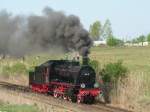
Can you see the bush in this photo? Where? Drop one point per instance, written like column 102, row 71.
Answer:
column 112, row 72
column 114, row 42
column 18, row 68
column 95, row 65
column 6, row 70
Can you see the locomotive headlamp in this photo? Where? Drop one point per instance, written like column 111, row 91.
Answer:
column 82, row 85
column 96, row 85
column 87, row 74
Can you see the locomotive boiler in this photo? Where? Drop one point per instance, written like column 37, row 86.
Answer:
column 66, row 79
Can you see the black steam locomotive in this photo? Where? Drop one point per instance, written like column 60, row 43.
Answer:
column 66, row 79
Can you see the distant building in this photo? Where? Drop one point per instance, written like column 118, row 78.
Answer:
column 137, row 44
column 144, row 43
column 99, row 43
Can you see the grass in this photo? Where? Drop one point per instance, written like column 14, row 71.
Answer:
column 136, row 59
column 136, row 88
column 17, row 108
column 14, row 66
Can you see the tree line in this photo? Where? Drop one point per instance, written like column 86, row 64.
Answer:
column 99, row 31
column 141, row 38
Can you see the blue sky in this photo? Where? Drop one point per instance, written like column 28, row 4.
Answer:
column 129, row 18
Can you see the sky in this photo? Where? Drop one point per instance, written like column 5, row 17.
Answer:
column 129, row 18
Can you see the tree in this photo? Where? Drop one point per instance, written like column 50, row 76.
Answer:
column 134, row 40
column 141, row 38
column 148, row 37
column 95, row 30
column 112, row 41
column 107, row 30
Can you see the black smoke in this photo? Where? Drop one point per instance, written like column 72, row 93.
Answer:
column 51, row 31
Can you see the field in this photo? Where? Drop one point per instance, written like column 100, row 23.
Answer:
column 5, row 107
column 133, row 92
column 17, row 108
column 135, row 58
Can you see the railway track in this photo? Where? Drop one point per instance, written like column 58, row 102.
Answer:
column 14, row 87
column 48, row 100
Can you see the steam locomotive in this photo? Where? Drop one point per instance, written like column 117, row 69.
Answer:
column 66, row 79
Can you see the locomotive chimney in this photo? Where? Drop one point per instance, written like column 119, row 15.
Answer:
column 85, row 60
column 85, row 52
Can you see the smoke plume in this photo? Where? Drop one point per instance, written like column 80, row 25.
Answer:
column 50, row 31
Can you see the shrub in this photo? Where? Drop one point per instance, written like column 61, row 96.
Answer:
column 6, row 70
column 14, row 69
column 112, row 72
column 95, row 65
column 18, row 68
column 112, row 41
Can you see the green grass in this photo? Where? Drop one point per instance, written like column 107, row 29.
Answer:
column 14, row 66
column 18, row 108
column 135, row 58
